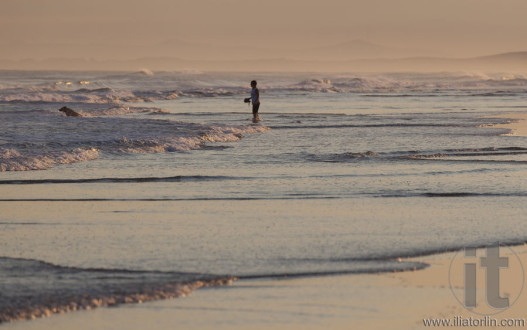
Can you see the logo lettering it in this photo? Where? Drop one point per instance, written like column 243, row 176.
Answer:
column 492, row 264
column 486, row 281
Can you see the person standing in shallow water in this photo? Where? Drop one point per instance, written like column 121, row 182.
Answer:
column 255, row 99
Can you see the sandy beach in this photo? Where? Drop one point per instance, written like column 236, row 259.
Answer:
column 402, row 300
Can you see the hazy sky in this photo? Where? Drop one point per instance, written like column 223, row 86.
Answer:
column 454, row 27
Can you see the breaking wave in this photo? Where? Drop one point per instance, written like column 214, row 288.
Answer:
column 88, row 137
column 489, row 154
column 136, row 87
column 32, row 288
column 13, row 160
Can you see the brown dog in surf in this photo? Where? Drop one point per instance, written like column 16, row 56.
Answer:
column 69, row 112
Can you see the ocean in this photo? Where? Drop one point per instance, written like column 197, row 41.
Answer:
column 164, row 184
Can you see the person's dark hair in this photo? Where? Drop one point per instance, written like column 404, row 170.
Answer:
column 253, row 82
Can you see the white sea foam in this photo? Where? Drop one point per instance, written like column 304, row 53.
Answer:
column 147, row 87
column 190, row 138
column 137, row 136
column 45, row 94
column 146, row 72
column 8, row 153
column 168, row 291
column 409, row 82
column 103, row 100
column 12, row 160
column 119, row 110
column 68, row 289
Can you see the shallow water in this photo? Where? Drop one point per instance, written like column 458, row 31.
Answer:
column 346, row 173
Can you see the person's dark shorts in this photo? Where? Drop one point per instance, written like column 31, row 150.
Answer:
column 256, row 107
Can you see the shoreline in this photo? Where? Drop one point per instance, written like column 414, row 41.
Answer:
column 518, row 127
column 397, row 300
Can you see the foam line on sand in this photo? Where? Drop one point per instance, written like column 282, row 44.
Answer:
column 399, row 300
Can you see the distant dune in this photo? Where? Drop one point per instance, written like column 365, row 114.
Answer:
column 515, row 61
column 359, row 49
column 519, row 57
column 506, row 62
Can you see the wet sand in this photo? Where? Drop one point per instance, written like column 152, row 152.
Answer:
column 519, row 127
column 361, row 301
